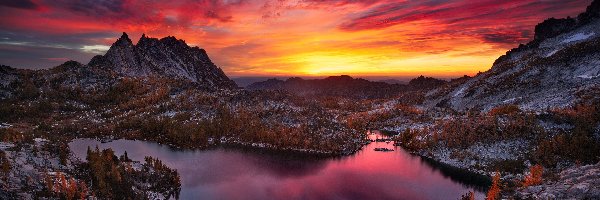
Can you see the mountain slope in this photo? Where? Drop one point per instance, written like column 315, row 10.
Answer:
column 559, row 68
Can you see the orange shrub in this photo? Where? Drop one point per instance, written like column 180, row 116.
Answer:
column 505, row 110
column 534, row 177
column 494, row 192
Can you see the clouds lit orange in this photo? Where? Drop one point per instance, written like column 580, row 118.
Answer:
column 285, row 37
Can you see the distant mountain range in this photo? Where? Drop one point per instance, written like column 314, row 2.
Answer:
column 345, row 86
column 559, row 68
column 245, row 81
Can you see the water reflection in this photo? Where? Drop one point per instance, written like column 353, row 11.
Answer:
column 243, row 174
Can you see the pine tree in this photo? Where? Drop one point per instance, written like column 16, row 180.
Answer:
column 49, row 183
column 494, row 192
column 534, row 177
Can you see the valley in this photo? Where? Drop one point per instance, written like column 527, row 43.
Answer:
column 528, row 128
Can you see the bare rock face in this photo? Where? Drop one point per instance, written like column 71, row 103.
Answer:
column 558, row 68
column 167, row 57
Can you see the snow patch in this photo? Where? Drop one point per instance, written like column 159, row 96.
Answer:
column 510, row 100
column 585, row 76
column 460, row 91
column 551, row 53
column 577, row 37
column 5, row 125
column 169, row 113
column 40, row 140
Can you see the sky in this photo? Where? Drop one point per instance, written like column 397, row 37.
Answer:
column 285, row 37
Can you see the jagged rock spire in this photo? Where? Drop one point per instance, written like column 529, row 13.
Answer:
column 124, row 39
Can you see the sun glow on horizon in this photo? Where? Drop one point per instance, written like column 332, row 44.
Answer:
column 288, row 37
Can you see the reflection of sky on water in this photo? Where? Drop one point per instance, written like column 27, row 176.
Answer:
column 237, row 174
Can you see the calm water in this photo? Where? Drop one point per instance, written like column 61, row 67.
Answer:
column 242, row 174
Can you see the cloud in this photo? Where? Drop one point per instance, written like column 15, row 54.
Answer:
column 36, row 57
column 21, row 4
column 479, row 18
column 507, row 37
column 96, row 49
column 95, row 8
column 283, row 36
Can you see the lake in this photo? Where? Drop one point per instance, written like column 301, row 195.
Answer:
column 233, row 173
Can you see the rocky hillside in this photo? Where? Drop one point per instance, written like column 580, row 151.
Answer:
column 168, row 57
column 559, row 68
column 162, row 90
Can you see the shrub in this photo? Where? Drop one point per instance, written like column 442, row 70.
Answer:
column 510, row 166
column 465, row 131
column 468, row 196
column 494, row 191
column 65, row 188
column 509, row 109
column 28, row 90
column 114, row 178
column 5, row 165
column 569, row 147
column 534, row 177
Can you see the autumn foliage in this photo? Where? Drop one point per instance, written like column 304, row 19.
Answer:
column 505, row 110
column 534, row 177
column 494, row 191
column 65, row 188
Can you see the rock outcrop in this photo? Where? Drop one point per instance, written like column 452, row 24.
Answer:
column 574, row 183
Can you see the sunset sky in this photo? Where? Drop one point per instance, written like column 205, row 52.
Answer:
column 285, row 37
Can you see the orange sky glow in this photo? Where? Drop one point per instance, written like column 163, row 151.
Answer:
column 286, row 37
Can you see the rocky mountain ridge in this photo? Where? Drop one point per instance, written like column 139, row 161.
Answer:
column 559, row 68
column 167, row 57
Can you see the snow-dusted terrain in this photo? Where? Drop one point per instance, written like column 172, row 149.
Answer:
column 551, row 72
column 577, row 182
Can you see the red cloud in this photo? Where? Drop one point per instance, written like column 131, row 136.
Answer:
column 273, row 33
column 129, row 15
column 481, row 18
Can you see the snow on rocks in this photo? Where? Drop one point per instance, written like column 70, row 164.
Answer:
column 578, row 37
column 479, row 154
column 585, row 76
column 551, row 53
column 574, row 183
column 460, row 91
column 29, row 162
column 5, row 125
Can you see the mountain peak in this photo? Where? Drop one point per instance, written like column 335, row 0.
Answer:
column 124, row 37
column 123, row 41
column 145, row 41
column 168, row 57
